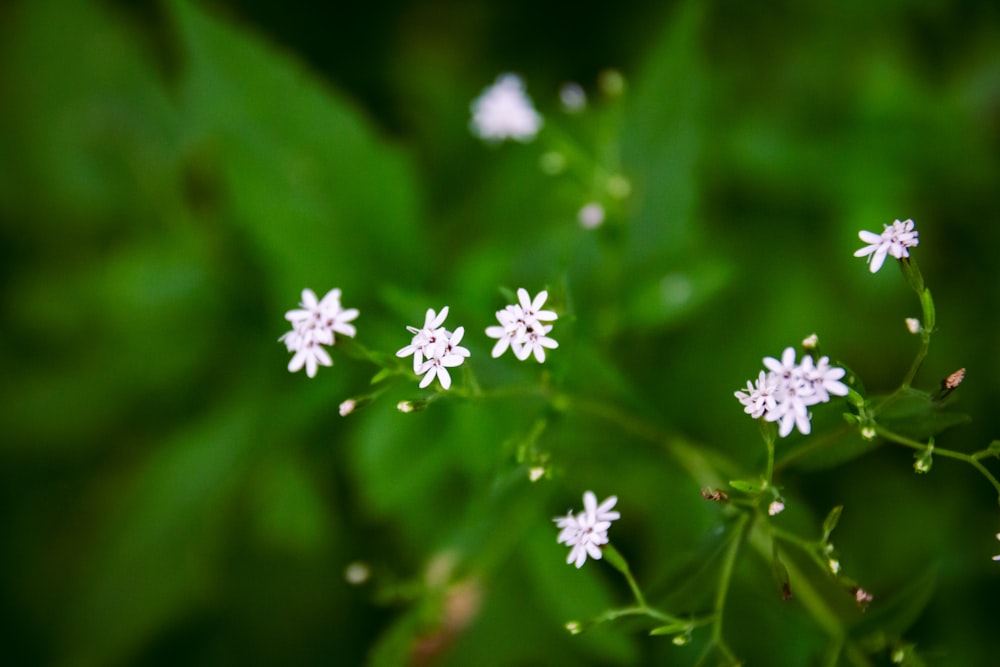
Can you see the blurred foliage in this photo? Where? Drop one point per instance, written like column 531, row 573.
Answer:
column 173, row 174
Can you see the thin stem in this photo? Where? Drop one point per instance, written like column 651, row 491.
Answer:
column 971, row 459
column 722, row 592
column 925, row 342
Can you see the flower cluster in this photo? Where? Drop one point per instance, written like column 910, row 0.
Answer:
column 314, row 324
column 787, row 389
column 586, row 531
column 894, row 240
column 435, row 349
column 504, row 111
column 522, row 327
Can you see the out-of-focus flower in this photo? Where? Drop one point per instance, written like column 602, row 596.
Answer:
column 591, row 216
column 504, row 111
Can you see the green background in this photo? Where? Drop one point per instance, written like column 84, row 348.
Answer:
column 172, row 176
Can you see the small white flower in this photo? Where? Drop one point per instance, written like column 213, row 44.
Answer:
column 825, row 380
column 504, row 111
column 759, row 397
column 786, row 389
column 586, row 531
column 435, row 349
column 314, row 324
column 424, row 338
column 591, row 216
column 535, row 340
column 310, row 354
column 522, row 327
column 894, row 240
column 776, row 507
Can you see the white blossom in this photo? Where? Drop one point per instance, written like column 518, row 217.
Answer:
column 314, row 324
column 504, row 111
column 435, row 349
column 586, row 531
column 591, row 215
column 894, row 240
column 786, row 389
column 522, row 327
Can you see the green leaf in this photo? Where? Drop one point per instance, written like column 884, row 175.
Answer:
column 745, row 486
column 301, row 170
column 917, row 415
column 669, row 629
column 831, row 521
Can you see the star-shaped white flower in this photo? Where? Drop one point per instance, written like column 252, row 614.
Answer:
column 435, row 349
column 504, row 111
column 759, row 396
column 785, row 391
column 586, row 531
column 314, row 324
column 894, row 240
column 522, row 327
column 535, row 340
column 424, row 337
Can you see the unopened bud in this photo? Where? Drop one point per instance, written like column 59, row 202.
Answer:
column 776, row 507
column 347, row 407
column 924, row 460
column 913, row 325
column 415, row 405
column 834, row 565
column 863, row 598
column 810, row 342
column 682, row 639
column 574, row 627
column 868, row 433
column 536, row 473
column 952, row 381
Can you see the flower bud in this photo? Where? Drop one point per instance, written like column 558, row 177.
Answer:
column 913, row 325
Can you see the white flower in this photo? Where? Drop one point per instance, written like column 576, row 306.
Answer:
column 591, row 215
column 894, row 240
column 447, row 353
column 522, row 327
column 535, row 340
column 759, row 397
column 786, row 390
column 435, row 349
column 424, row 338
column 586, row 531
column 311, row 354
column 314, row 324
column 504, row 111
column 825, row 380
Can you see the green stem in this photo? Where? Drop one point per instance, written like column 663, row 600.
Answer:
column 722, row 592
column 971, row 459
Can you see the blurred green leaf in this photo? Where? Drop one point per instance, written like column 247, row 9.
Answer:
column 303, row 170
column 917, row 415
